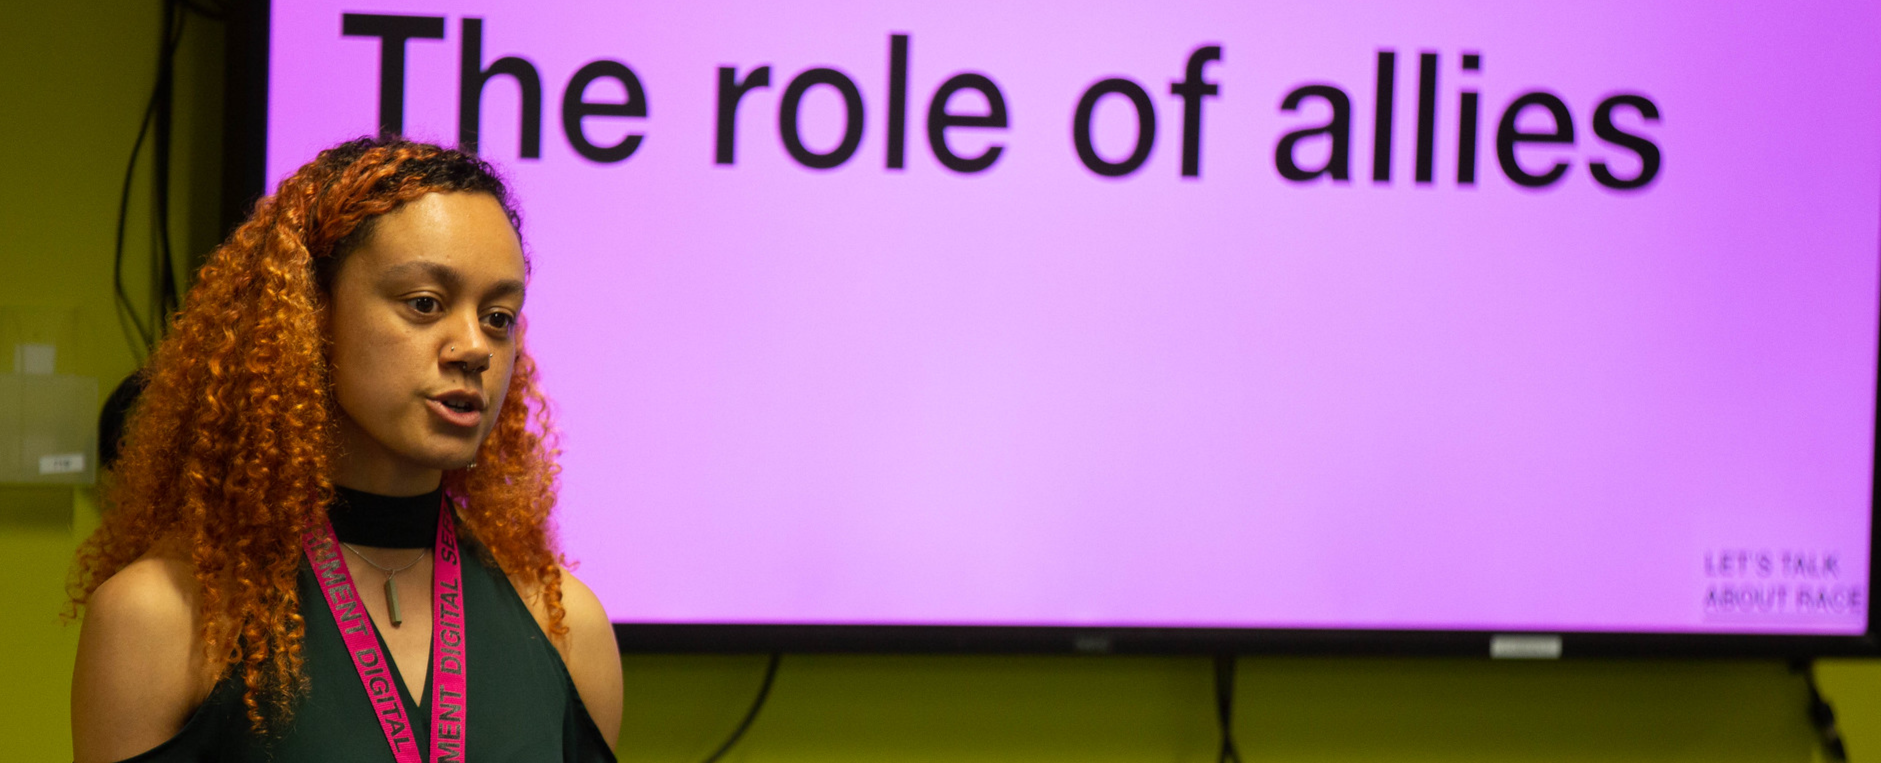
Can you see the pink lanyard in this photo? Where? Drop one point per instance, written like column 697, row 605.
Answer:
column 375, row 671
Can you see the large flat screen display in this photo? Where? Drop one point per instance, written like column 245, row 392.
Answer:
column 1345, row 314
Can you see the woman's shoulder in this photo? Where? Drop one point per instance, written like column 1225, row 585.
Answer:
column 588, row 649
column 140, row 670
column 154, row 599
column 582, row 612
column 149, row 606
column 592, row 655
column 156, row 589
column 583, row 607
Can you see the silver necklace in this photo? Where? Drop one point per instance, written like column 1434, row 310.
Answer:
column 391, row 591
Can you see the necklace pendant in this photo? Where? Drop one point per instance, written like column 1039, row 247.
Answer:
column 391, row 601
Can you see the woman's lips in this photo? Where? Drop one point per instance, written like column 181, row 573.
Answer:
column 467, row 419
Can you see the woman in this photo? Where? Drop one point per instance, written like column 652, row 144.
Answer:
column 351, row 358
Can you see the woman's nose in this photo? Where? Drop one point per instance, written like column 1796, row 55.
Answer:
column 470, row 350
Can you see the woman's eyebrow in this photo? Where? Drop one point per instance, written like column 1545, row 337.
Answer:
column 505, row 288
column 443, row 274
column 450, row 278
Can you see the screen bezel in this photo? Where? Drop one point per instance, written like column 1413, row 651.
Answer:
column 244, row 182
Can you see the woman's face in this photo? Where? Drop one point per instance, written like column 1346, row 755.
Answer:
column 422, row 316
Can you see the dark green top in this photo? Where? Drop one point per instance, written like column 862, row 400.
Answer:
column 522, row 704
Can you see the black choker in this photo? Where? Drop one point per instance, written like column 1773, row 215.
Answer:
column 384, row 521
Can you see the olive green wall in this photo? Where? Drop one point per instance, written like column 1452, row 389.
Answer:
column 75, row 79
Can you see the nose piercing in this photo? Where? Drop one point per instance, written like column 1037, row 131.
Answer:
column 487, row 358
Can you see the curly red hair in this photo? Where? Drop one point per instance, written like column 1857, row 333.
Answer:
column 230, row 454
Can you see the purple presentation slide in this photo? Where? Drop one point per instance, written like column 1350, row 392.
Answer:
column 1465, row 315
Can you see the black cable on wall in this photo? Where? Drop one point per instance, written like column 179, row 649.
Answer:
column 1822, row 716
column 757, row 704
column 145, row 327
column 1224, row 708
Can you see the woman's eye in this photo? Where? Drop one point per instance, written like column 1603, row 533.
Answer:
column 501, row 321
column 424, row 305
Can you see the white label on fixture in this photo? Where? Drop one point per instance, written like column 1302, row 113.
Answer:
column 1525, row 647
column 62, row 463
